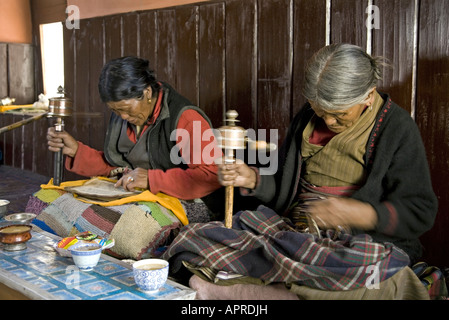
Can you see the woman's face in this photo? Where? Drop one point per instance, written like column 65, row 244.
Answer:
column 135, row 111
column 339, row 120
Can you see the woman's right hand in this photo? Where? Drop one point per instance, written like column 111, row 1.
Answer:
column 57, row 140
column 236, row 174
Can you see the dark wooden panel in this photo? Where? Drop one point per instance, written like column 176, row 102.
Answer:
column 394, row 40
column 95, row 105
column 274, row 65
column 85, row 81
column 432, row 117
column 309, row 36
column 81, row 92
column 3, row 70
column 113, row 37
column 348, row 22
column 241, row 60
column 187, row 64
column 8, row 140
column 27, row 146
column 82, row 85
column 130, row 29
column 21, row 73
column 112, row 46
column 42, row 157
column 148, row 36
column 70, row 47
column 17, row 142
column 166, row 46
column 211, row 57
column 177, row 61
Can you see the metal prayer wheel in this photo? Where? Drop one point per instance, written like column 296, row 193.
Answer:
column 59, row 107
column 231, row 138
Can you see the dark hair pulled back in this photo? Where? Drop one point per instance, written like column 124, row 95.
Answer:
column 126, row 78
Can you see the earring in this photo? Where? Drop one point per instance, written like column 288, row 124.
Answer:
column 149, row 101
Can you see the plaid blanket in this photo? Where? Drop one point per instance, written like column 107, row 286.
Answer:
column 262, row 245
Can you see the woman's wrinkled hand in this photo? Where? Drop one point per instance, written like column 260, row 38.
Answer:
column 61, row 140
column 137, row 178
column 236, row 174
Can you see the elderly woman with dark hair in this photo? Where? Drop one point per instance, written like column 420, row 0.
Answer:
column 351, row 197
column 142, row 136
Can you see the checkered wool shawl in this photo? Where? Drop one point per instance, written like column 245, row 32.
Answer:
column 262, row 245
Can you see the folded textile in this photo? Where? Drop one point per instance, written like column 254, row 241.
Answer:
column 140, row 229
column 403, row 285
column 262, row 245
column 433, row 280
column 167, row 201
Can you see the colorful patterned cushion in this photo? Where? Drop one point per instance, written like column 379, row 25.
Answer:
column 140, row 229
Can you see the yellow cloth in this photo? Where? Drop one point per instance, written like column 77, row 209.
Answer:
column 48, row 196
column 167, row 201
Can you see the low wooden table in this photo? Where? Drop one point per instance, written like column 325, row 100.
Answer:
column 39, row 272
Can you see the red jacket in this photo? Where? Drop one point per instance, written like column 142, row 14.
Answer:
column 197, row 181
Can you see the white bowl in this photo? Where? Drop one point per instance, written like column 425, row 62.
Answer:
column 86, row 255
column 150, row 274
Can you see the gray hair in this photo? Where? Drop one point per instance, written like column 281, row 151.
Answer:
column 339, row 76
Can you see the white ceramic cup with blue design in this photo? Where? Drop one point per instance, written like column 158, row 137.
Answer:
column 86, row 255
column 150, row 274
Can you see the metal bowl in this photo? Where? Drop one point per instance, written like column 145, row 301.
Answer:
column 23, row 217
column 14, row 237
column 3, row 207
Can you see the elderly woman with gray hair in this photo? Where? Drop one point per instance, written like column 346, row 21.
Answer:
column 352, row 192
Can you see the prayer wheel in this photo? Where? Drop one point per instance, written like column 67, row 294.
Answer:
column 59, row 107
column 231, row 138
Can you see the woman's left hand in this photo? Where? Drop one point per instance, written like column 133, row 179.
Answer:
column 138, row 178
column 333, row 213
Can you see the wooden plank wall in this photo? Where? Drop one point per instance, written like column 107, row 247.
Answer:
column 17, row 81
column 17, row 72
column 432, row 115
column 250, row 56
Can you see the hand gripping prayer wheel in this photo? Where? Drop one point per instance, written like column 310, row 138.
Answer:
column 231, row 138
column 59, row 107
